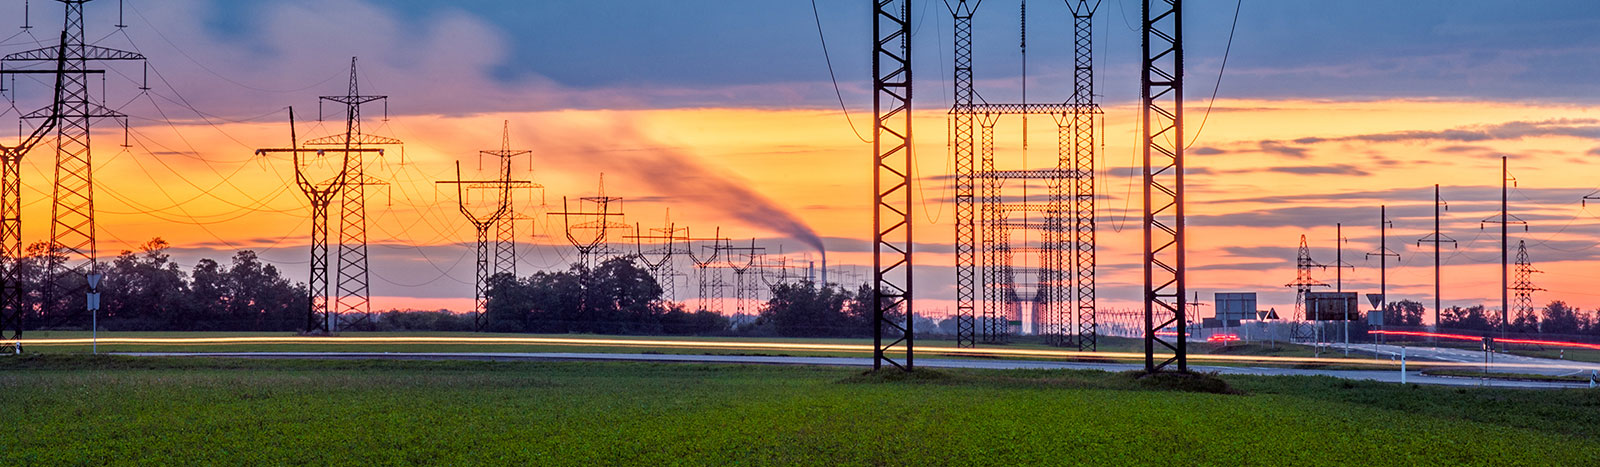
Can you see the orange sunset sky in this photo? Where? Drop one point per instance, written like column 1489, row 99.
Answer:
column 713, row 111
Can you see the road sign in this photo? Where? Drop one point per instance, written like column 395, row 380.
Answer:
column 1376, row 299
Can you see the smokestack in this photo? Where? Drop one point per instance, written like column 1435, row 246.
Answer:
column 824, row 267
column 811, row 272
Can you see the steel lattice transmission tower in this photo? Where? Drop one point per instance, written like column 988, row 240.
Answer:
column 707, row 277
column 1523, row 287
column 12, row 308
column 352, row 275
column 72, row 228
column 1084, row 110
column 481, row 223
column 1303, row 283
column 1161, row 105
column 1057, row 231
column 595, row 248
column 505, row 243
column 966, row 191
column 743, row 261
column 666, row 243
column 891, row 184
column 320, row 194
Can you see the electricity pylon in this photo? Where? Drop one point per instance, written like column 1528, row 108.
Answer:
column 320, row 194
column 1524, row 287
column 593, row 247
column 353, row 277
column 72, row 228
column 505, row 243
column 891, row 185
column 1302, row 287
column 709, row 292
column 481, row 223
column 12, row 310
column 665, row 243
column 1161, row 107
column 742, row 261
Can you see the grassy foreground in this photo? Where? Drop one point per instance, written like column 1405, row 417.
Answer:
column 113, row 410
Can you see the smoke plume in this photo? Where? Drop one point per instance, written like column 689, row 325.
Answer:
column 684, row 178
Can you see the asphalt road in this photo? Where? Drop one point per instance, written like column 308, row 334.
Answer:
column 1525, row 365
column 1390, row 376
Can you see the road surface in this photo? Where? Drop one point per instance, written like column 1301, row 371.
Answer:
column 1390, row 376
column 1526, row 365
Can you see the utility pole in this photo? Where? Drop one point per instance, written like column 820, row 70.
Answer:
column 12, row 310
column 1383, row 255
column 1505, row 219
column 320, row 194
column 1161, row 102
column 353, row 301
column 1338, row 270
column 72, row 228
column 1437, row 239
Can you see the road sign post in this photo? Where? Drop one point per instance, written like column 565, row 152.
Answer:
column 92, row 301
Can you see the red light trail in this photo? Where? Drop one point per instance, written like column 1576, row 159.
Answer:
column 1465, row 337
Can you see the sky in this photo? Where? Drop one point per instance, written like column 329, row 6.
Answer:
column 723, row 116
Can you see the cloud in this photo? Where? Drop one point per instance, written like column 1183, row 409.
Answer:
column 1577, row 128
column 1336, row 169
column 1277, row 147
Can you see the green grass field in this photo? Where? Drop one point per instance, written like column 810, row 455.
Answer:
column 109, row 410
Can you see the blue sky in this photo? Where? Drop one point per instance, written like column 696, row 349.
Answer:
column 766, row 53
column 1342, row 50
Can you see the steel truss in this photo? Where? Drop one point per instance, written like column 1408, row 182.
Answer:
column 1302, row 330
column 320, row 194
column 593, row 248
column 1061, row 289
column 1523, row 287
column 891, row 183
column 707, row 277
column 505, row 242
column 481, row 224
column 12, row 308
column 72, row 227
column 353, row 300
column 1161, row 106
column 666, row 242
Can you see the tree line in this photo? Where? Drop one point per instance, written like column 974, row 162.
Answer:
column 620, row 297
column 145, row 290
column 1557, row 317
